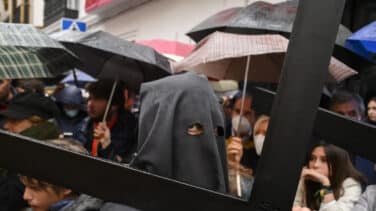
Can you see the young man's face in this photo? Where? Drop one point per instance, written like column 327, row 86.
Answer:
column 40, row 199
column 96, row 108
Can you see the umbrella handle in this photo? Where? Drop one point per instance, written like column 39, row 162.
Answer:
column 109, row 101
column 75, row 77
column 238, row 184
column 243, row 92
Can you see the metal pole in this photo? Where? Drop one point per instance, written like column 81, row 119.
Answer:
column 75, row 77
column 238, row 185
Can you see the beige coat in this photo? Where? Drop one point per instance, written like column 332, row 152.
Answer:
column 352, row 191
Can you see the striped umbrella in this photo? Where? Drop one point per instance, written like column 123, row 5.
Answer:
column 26, row 52
column 224, row 56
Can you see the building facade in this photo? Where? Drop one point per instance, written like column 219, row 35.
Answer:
column 145, row 19
column 22, row 11
column 149, row 19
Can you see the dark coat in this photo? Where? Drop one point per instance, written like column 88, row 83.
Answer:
column 42, row 131
column 181, row 132
column 11, row 192
column 70, row 125
column 70, row 95
column 123, row 137
column 82, row 203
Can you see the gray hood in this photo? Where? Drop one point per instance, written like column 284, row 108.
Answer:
column 181, row 132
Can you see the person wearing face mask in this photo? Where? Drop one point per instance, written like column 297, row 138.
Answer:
column 241, row 154
column 71, row 105
column 261, row 126
column 240, row 177
column 243, row 131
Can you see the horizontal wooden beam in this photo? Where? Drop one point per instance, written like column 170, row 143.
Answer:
column 354, row 136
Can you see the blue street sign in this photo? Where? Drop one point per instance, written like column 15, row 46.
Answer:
column 69, row 24
column 81, row 26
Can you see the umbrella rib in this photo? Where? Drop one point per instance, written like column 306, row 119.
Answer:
column 11, row 59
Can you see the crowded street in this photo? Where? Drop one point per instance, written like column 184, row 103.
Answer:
column 125, row 105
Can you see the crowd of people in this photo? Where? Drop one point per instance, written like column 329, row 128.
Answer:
column 179, row 115
column 332, row 178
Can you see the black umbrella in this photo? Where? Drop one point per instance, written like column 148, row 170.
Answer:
column 105, row 56
column 266, row 18
column 257, row 18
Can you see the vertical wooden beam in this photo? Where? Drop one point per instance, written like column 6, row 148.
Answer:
column 295, row 106
column 10, row 9
column 22, row 13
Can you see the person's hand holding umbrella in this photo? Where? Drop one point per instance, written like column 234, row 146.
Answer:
column 103, row 135
column 234, row 151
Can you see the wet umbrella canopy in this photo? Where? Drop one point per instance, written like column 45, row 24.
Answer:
column 265, row 18
column 105, row 56
column 26, row 52
column 257, row 18
column 363, row 42
column 172, row 49
column 81, row 78
column 223, row 56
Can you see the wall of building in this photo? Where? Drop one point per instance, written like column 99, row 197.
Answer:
column 167, row 19
column 37, row 12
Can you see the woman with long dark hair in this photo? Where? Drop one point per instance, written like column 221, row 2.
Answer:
column 329, row 182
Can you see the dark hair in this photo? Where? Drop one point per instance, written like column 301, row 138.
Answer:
column 33, row 85
column 102, row 89
column 343, row 96
column 41, row 185
column 239, row 96
column 372, row 99
column 340, row 168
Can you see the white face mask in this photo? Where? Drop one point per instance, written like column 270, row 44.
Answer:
column 245, row 128
column 71, row 113
column 259, row 142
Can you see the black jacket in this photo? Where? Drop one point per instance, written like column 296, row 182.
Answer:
column 123, row 137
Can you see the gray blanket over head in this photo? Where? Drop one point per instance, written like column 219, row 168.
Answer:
column 181, row 132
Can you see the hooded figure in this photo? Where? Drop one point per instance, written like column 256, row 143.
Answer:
column 181, row 132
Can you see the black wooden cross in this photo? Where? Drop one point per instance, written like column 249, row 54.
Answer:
column 291, row 125
column 354, row 136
